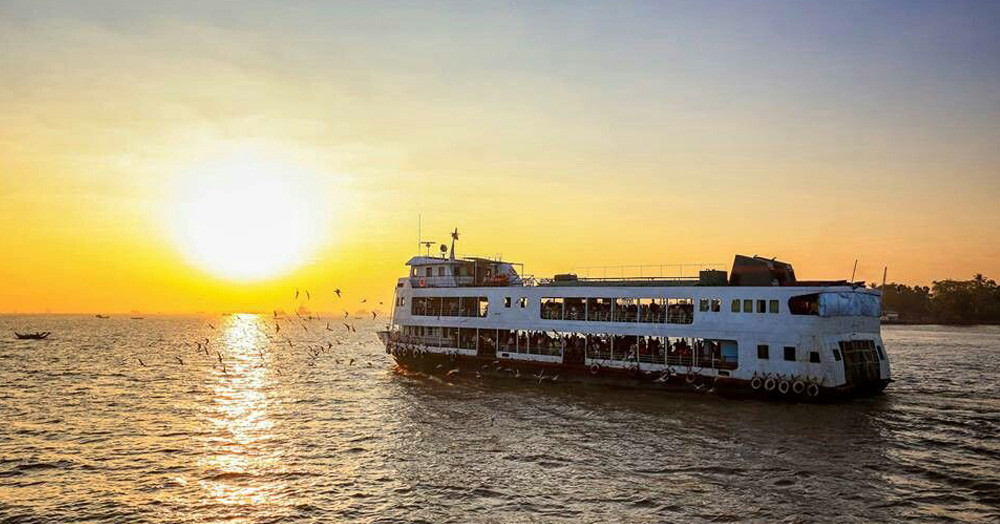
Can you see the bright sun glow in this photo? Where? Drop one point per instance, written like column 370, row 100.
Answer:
column 246, row 218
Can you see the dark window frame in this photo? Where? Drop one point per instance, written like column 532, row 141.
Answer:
column 793, row 353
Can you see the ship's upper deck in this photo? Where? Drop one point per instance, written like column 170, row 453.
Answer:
column 436, row 272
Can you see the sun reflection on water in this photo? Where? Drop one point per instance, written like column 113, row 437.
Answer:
column 240, row 418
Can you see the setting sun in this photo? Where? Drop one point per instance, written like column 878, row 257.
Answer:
column 246, row 218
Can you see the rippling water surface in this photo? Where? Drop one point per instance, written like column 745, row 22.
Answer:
column 289, row 433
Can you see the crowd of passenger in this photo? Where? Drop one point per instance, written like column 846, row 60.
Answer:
column 618, row 310
column 575, row 347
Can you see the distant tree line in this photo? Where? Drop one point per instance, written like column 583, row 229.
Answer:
column 975, row 301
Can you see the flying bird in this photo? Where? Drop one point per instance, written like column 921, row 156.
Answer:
column 179, row 360
column 140, row 361
column 308, row 296
column 328, row 327
column 374, row 314
column 337, row 291
column 210, row 325
column 296, row 293
column 363, row 300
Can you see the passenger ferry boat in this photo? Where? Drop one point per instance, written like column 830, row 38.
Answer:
column 757, row 330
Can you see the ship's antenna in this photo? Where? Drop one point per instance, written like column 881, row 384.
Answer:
column 454, row 237
column 885, row 271
column 855, row 270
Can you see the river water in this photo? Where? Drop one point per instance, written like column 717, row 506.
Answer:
column 289, row 432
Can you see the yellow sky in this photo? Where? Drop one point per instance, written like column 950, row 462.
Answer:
column 684, row 141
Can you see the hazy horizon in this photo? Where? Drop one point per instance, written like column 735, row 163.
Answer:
column 191, row 157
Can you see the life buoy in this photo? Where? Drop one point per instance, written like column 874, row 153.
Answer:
column 798, row 387
column 783, row 387
column 756, row 383
column 422, row 282
column 690, row 378
column 595, row 369
column 812, row 390
column 769, row 384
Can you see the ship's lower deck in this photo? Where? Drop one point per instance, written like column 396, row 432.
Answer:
column 457, row 364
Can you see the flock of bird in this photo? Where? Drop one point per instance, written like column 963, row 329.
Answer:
column 313, row 350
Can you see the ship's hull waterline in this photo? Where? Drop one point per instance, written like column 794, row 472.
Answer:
column 675, row 379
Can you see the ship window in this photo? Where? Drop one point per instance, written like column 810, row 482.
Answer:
column 624, row 347
column 507, row 341
column 790, row 353
column 484, row 306
column 452, row 307
column 626, row 310
column 506, row 301
column 429, row 271
column 772, row 306
column 762, row 352
column 441, row 271
column 523, row 302
column 804, row 305
column 680, row 310
column 467, row 338
column 552, row 308
column 651, row 310
column 573, row 309
column 762, row 306
column 703, row 304
column 651, row 350
column 599, row 309
column 598, row 346
column 716, row 305
column 748, row 306
column 814, row 357
column 736, row 305
column 836, row 355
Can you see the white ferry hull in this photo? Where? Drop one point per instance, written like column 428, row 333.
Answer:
column 458, row 366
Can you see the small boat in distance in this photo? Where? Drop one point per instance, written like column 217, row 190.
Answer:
column 41, row 335
column 137, row 318
column 101, row 316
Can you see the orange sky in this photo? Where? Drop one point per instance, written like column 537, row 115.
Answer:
column 560, row 137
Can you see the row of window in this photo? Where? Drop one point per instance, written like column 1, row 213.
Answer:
column 575, row 347
column 649, row 310
column 450, row 306
column 763, row 306
column 763, row 353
